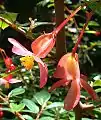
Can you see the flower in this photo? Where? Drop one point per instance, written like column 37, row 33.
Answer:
column 44, row 43
column 68, row 71
column 10, row 67
column 28, row 60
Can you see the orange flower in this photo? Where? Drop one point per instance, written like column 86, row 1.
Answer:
column 68, row 71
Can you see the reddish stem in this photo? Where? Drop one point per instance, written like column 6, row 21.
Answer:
column 81, row 34
column 66, row 20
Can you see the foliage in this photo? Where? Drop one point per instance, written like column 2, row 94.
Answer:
column 22, row 96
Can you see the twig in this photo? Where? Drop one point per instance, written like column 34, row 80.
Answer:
column 41, row 111
column 18, row 115
column 14, row 26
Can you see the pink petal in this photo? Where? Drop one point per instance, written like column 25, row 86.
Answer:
column 89, row 89
column 43, row 45
column 3, row 81
column 14, row 81
column 73, row 96
column 43, row 71
column 58, row 84
column 18, row 48
column 68, row 68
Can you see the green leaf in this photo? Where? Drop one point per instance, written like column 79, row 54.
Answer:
column 93, row 23
column 42, row 97
column 16, row 107
column 16, row 91
column 98, row 90
column 31, row 105
column 97, row 83
column 3, row 25
column 5, row 109
column 55, row 104
column 95, row 6
column 46, row 118
column 27, row 117
column 9, row 16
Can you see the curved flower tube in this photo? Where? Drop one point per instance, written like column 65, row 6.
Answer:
column 68, row 71
column 29, row 59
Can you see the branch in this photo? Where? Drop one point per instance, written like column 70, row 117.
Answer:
column 18, row 115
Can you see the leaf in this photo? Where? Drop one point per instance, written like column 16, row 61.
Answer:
column 95, row 6
column 31, row 105
column 27, row 117
column 93, row 23
column 46, row 118
column 16, row 107
column 3, row 25
column 9, row 16
column 55, row 104
column 16, row 91
column 98, row 90
column 97, row 83
column 42, row 97
column 5, row 109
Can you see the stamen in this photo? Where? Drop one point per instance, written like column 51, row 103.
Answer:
column 27, row 62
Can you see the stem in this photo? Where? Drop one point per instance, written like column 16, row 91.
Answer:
column 78, row 112
column 66, row 20
column 14, row 26
column 81, row 34
column 41, row 111
column 18, row 115
column 60, row 38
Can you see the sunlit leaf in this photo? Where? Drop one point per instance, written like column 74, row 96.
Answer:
column 16, row 91
column 3, row 25
column 46, row 118
column 55, row 104
column 42, row 97
column 27, row 117
column 31, row 105
column 16, row 107
column 97, row 83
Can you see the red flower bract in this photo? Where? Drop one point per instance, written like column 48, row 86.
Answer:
column 68, row 71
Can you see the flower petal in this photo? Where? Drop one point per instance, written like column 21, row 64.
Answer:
column 43, row 45
column 68, row 67
column 73, row 96
column 3, row 81
column 14, row 81
column 18, row 48
column 58, row 84
column 89, row 89
column 43, row 71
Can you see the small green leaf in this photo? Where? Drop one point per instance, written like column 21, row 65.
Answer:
column 97, row 83
column 93, row 23
column 16, row 107
column 46, row 118
column 16, row 91
column 55, row 104
column 42, row 97
column 3, row 25
column 27, row 117
column 9, row 16
column 31, row 105
column 98, row 90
